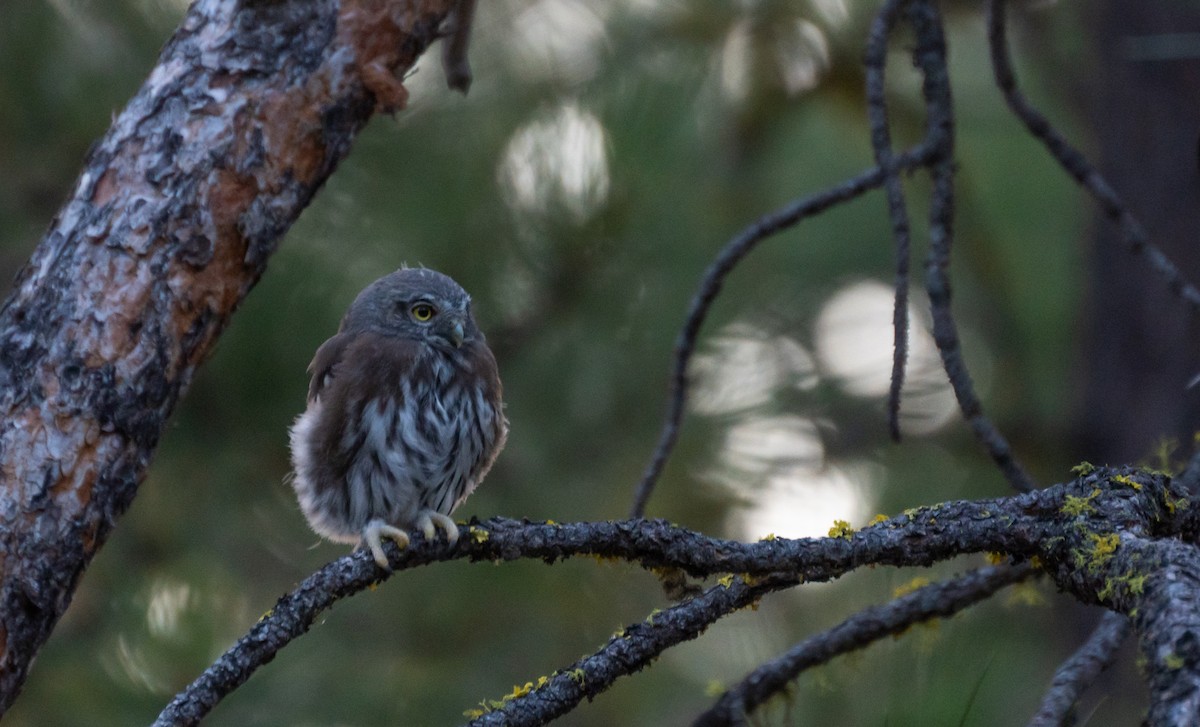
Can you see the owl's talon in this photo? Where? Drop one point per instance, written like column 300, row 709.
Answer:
column 373, row 535
column 429, row 521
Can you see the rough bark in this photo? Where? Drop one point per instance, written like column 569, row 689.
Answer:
column 178, row 208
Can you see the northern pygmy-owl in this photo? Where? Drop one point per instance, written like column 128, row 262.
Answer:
column 404, row 414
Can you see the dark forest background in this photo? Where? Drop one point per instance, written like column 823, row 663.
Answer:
column 605, row 153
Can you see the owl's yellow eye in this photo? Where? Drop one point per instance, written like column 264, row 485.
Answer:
column 422, row 312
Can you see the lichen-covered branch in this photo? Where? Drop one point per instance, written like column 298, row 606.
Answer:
column 627, row 652
column 1111, row 537
column 178, row 208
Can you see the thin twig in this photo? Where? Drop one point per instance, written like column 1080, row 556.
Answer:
column 881, row 143
column 710, row 287
column 1079, row 672
column 931, row 57
column 1074, row 162
column 627, row 652
column 860, row 630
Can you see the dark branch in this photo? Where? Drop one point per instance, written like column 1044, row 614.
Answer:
column 881, row 143
column 710, row 287
column 1077, row 673
column 1074, row 162
column 860, row 630
column 931, row 58
column 1061, row 525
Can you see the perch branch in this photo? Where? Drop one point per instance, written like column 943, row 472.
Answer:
column 1090, row 534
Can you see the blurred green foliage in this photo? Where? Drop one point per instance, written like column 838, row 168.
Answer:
column 581, row 262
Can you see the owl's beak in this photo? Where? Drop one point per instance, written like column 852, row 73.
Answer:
column 452, row 330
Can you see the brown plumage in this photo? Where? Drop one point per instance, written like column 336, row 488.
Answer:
column 404, row 416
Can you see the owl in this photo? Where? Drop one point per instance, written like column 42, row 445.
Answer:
column 405, row 415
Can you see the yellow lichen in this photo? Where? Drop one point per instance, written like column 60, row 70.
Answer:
column 880, row 518
column 578, row 676
column 478, row 535
column 1173, row 661
column 1128, row 481
column 1100, row 552
column 518, row 691
column 726, row 581
column 841, row 529
column 1083, row 469
column 1075, row 506
column 768, row 537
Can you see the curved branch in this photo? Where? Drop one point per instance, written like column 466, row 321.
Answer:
column 1075, row 164
column 710, row 286
column 1122, row 569
column 930, row 56
column 860, row 630
column 881, row 143
column 627, row 652
column 250, row 108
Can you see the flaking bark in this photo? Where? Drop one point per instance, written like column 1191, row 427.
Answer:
column 178, row 208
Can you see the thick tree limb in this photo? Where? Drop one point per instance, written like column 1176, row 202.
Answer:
column 1108, row 538
column 178, row 208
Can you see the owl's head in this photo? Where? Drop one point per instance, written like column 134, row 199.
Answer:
column 416, row 304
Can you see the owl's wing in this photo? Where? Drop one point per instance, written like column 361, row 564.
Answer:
column 325, row 362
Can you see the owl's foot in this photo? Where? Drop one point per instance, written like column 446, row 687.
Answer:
column 373, row 535
column 429, row 521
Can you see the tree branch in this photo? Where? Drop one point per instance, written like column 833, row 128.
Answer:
column 881, row 144
column 627, row 652
column 1107, row 538
column 1075, row 164
column 710, row 286
column 930, row 56
column 171, row 223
